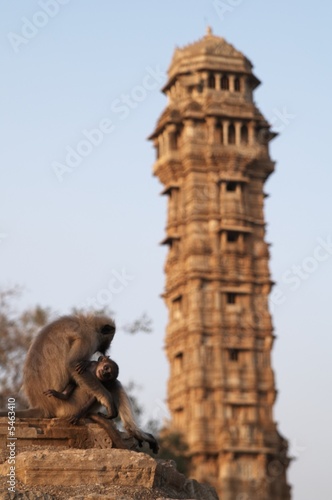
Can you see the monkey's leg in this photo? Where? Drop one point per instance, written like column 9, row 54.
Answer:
column 109, row 427
column 83, row 411
column 65, row 394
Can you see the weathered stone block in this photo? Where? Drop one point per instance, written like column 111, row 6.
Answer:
column 107, row 469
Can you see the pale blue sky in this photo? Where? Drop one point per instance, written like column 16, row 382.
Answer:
column 66, row 241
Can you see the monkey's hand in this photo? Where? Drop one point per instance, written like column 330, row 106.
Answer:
column 153, row 443
column 74, row 419
column 50, row 393
column 140, row 443
column 111, row 414
column 82, row 366
column 111, row 409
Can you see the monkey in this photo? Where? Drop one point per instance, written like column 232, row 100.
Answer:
column 107, row 371
column 60, row 354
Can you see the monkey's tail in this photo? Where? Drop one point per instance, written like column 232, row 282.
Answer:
column 126, row 415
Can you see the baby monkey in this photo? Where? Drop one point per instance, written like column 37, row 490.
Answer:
column 107, row 371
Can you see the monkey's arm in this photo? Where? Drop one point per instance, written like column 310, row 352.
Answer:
column 84, row 378
column 87, row 407
column 65, row 394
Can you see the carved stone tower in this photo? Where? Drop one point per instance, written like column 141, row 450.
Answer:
column 213, row 159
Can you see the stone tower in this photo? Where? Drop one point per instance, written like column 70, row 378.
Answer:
column 213, row 159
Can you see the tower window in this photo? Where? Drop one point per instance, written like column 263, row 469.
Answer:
column 178, row 416
column 200, row 86
column 237, row 84
column 220, row 132
column 173, row 140
column 231, row 186
column 231, row 134
column 179, row 358
column 177, row 307
column 233, row 354
column 224, row 83
column 178, row 363
column 231, row 298
column 232, row 236
column 244, row 134
column 211, row 81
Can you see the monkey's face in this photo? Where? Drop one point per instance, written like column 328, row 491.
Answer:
column 106, row 331
column 107, row 369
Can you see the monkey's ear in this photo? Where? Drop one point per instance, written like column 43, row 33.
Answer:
column 107, row 329
column 100, row 359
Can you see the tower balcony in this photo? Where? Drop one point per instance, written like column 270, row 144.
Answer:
column 236, row 268
column 265, row 380
column 232, row 209
column 245, row 435
column 243, row 153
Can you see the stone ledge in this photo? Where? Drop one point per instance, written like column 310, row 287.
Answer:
column 55, row 433
column 137, row 473
column 55, row 460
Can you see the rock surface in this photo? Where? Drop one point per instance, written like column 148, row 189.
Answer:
column 53, row 460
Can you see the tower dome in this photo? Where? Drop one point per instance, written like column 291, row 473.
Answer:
column 210, row 53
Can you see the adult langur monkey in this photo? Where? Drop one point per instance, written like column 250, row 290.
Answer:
column 60, row 354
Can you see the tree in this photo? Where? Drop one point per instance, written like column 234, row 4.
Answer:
column 173, row 447
column 17, row 329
